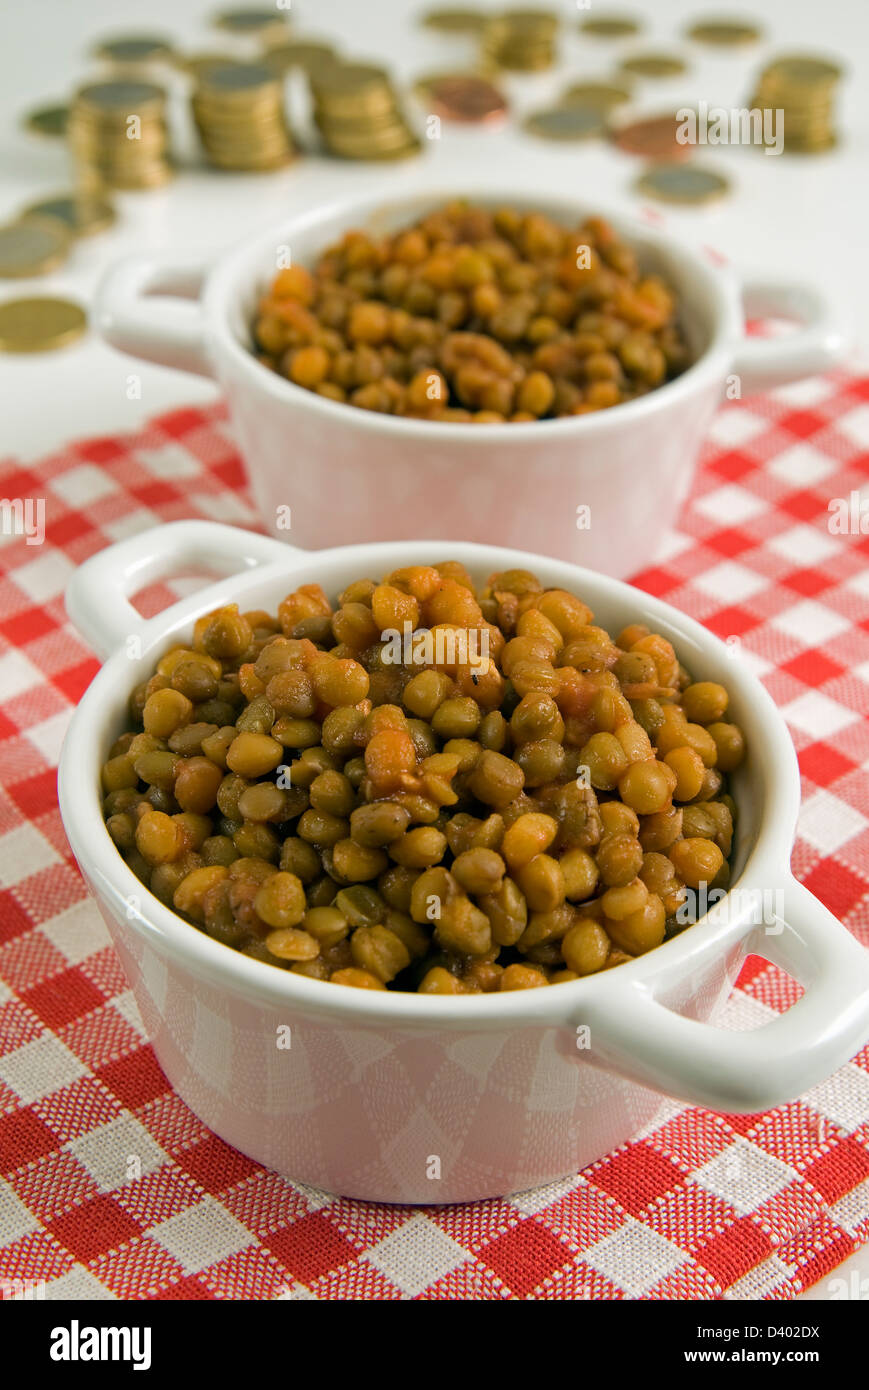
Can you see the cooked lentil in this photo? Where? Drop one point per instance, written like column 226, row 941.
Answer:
column 472, row 315
column 445, row 826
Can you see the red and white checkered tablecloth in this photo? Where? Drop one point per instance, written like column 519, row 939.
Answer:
column 701, row 1206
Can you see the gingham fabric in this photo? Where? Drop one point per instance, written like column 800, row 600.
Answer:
column 701, row 1206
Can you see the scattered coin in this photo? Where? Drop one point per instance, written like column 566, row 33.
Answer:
column 681, row 183
column 614, row 26
column 566, row 123
column 38, row 324
column 32, row 248
column 652, row 137
column 654, row 64
column 597, row 96
column 48, row 120
column 463, row 97
column 82, row 214
column 135, row 49
column 456, row 21
column 724, row 33
column 252, row 22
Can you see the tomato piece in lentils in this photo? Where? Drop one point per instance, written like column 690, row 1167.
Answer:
column 515, row 798
column 474, row 315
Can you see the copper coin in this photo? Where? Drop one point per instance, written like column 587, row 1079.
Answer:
column 469, row 99
column 655, row 137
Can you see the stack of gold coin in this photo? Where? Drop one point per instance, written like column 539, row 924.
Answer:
column 521, row 40
column 803, row 88
column 357, row 113
column 239, row 113
column 118, row 135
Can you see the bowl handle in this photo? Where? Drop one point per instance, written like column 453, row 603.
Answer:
column 816, row 346
column 96, row 596
column 745, row 1072
column 135, row 312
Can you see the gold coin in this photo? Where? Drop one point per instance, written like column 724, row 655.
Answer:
column 537, row 23
column 365, row 146
column 198, row 63
column 117, row 142
column 249, row 130
column 654, row 64
column 525, row 58
column 230, row 116
column 39, row 324
column 350, row 80
column 135, row 48
column 354, row 125
column 300, row 53
column 412, row 146
column 597, row 96
column 455, row 21
column 119, row 99
column 364, row 142
column 261, row 139
column 48, row 120
column 364, row 107
column 681, row 183
column 238, row 81
column 803, row 70
column 32, row 247
column 129, row 181
column 251, row 164
column 81, row 215
column 614, row 26
column 255, row 22
column 565, row 123
column 724, row 33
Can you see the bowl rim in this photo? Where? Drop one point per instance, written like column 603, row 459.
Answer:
column 115, row 885
column 225, row 284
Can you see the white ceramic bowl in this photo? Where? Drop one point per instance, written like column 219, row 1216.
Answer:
column 340, row 473
column 374, row 1087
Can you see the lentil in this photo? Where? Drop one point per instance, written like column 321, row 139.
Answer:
column 471, row 315
column 451, row 829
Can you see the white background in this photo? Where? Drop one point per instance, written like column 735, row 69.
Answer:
column 795, row 218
